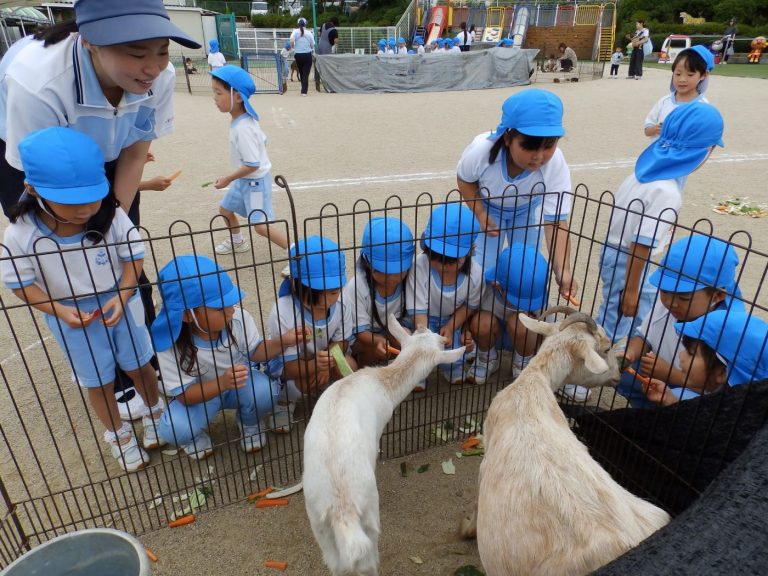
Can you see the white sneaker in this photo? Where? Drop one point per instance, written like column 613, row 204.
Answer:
column 150, row 440
column 252, row 439
column 519, row 362
column 286, row 272
column 455, row 376
column 228, row 247
column 130, row 405
column 486, row 363
column 575, row 393
column 200, row 448
column 128, row 454
column 281, row 418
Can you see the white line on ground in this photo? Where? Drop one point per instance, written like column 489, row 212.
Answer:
column 417, row 176
column 26, row 349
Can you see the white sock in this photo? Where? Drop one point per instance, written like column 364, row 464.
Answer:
column 157, row 408
column 237, row 238
column 123, row 432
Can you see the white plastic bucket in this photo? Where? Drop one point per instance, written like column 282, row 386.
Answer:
column 91, row 552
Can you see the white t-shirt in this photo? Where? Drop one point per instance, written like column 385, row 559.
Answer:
column 303, row 44
column 286, row 315
column 248, row 146
column 643, row 205
column 57, row 86
column 357, row 298
column 216, row 60
column 213, row 356
column 494, row 182
column 663, row 107
column 658, row 331
column 420, row 49
column 90, row 268
column 460, row 37
column 455, row 49
column 436, row 299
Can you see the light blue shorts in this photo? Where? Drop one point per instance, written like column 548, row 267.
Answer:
column 250, row 198
column 94, row 351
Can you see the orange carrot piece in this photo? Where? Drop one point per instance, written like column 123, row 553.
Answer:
column 261, row 493
column 470, row 442
column 96, row 313
column 276, row 564
column 392, row 350
column 175, row 175
column 150, row 555
column 183, row 521
column 640, row 377
column 573, row 301
column 265, row 503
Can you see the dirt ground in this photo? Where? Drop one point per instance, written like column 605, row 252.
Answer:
column 339, row 148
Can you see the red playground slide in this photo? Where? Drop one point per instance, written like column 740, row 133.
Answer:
column 438, row 19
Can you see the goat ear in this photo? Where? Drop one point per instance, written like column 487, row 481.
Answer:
column 451, row 356
column 397, row 331
column 592, row 360
column 543, row 328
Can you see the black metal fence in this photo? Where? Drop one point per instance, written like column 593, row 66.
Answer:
column 56, row 473
column 192, row 71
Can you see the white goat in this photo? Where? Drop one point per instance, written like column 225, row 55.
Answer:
column 545, row 506
column 341, row 444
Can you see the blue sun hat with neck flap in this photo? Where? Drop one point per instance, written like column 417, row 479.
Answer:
column 185, row 283
column 388, row 245
column 687, row 135
column 240, row 81
column 533, row 112
column 451, row 230
column 709, row 60
column 213, row 46
column 318, row 263
column 695, row 262
column 522, row 273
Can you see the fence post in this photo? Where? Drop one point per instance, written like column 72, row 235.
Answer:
column 186, row 74
column 11, row 507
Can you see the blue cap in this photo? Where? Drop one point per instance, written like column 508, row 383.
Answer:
column 318, row 262
column 213, row 46
column 697, row 262
column 388, row 245
column 522, row 272
column 533, row 112
column 240, row 81
column 64, row 166
column 392, row 43
column 110, row 22
column 418, row 40
column 440, row 42
column 411, row 51
column 382, row 43
column 456, row 41
column 505, row 42
column 709, row 60
column 401, row 40
column 287, row 45
column 686, row 137
column 738, row 338
column 185, row 283
column 451, row 230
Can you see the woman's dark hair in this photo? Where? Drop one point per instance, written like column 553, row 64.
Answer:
column 95, row 229
column 368, row 269
column 641, row 22
column 712, row 362
column 529, row 143
column 56, row 33
column 299, row 290
column 562, row 46
column 463, row 26
column 693, row 62
column 443, row 259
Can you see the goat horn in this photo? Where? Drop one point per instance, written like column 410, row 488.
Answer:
column 567, row 310
column 577, row 318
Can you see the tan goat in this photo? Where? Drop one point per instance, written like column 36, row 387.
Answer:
column 545, row 506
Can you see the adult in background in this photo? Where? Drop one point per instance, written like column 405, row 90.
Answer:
column 303, row 42
column 568, row 59
column 729, row 37
column 106, row 74
column 464, row 38
column 329, row 38
column 639, row 40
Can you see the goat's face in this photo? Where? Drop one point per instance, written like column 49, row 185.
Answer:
column 594, row 361
column 425, row 340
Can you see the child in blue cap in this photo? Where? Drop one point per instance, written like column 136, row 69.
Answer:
column 378, row 287
column 690, row 79
column 309, row 299
column 722, row 349
column 444, row 285
column 518, row 283
column 696, row 277
column 76, row 257
column 285, row 56
column 382, row 47
column 209, row 349
column 503, row 177
column 215, row 58
column 250, row 185
column 402, row 49
column 418, row 43
column 646, row 205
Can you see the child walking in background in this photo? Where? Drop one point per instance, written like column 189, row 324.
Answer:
column 215, row 58
column 722, row 349
column 77, row 258
column 309, row 300
column 616, row 58
column 285, row 56
column 209, row 349
column 647, row 203
column 696, row 276
column 250, row 185
column 444, row 286
column 378, row 287
column 690, row 79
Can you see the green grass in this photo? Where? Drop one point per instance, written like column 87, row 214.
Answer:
column 738, row 70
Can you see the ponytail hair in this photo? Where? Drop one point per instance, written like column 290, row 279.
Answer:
column 54, row 34
column 302, row 22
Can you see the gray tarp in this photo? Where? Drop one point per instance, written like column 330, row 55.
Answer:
column 473, row 70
